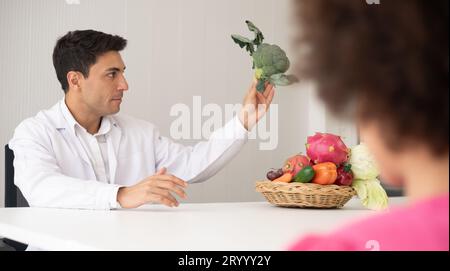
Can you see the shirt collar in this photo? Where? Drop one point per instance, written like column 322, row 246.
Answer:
column 105, row 126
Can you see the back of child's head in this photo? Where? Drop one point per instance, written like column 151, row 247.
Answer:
column 389, row 62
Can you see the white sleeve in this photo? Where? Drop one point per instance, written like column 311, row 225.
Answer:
column 200, row 162
column 37, row 174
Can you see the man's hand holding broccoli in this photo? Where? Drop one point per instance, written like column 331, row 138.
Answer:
column 255, row 105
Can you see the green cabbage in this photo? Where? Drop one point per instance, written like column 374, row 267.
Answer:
column 371, row 194
column 363, row 164
column 366, row 184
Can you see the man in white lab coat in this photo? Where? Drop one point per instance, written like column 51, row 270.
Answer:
column 82, row 154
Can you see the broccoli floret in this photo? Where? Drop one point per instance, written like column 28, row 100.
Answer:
column 270, row 61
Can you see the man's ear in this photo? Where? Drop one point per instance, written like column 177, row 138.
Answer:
column 74, row 80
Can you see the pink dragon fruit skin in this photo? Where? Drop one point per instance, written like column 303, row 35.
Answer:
column 324, row 147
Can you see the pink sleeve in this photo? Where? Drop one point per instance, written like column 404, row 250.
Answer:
column 322, row 243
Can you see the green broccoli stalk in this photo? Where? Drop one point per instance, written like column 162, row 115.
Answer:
column 269, row 61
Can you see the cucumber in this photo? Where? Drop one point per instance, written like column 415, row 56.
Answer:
column 305, row 175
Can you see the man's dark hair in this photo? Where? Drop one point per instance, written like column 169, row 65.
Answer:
column 78, row 51
column 392, row 58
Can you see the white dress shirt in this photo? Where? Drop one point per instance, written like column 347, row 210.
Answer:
column 58, row 164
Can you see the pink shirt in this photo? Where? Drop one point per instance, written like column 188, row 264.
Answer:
column 421, row 226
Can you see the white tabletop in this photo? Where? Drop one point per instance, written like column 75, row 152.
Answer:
column 205, row 226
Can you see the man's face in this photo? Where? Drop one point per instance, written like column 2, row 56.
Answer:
column 102, row 91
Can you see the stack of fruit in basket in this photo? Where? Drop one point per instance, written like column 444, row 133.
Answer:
column 329, row 161
column 326, row 163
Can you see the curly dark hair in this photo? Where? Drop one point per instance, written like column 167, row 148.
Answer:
column 390, row 59
column 78, row 51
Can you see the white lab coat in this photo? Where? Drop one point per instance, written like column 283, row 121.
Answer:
column 53, row 170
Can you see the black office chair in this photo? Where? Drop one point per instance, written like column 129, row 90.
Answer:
column 13, row 196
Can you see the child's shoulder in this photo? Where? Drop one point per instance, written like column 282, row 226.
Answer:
column 420, row 226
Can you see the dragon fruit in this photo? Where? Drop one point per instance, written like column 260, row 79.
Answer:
column 323, row 147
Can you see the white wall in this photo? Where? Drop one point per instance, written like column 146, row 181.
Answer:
column 177, row 49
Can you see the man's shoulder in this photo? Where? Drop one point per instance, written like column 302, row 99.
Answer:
column 44, row 119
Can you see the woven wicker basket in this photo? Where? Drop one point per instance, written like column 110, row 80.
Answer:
column 305, row 195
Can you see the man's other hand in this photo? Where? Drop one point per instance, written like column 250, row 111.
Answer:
column 154, row 189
